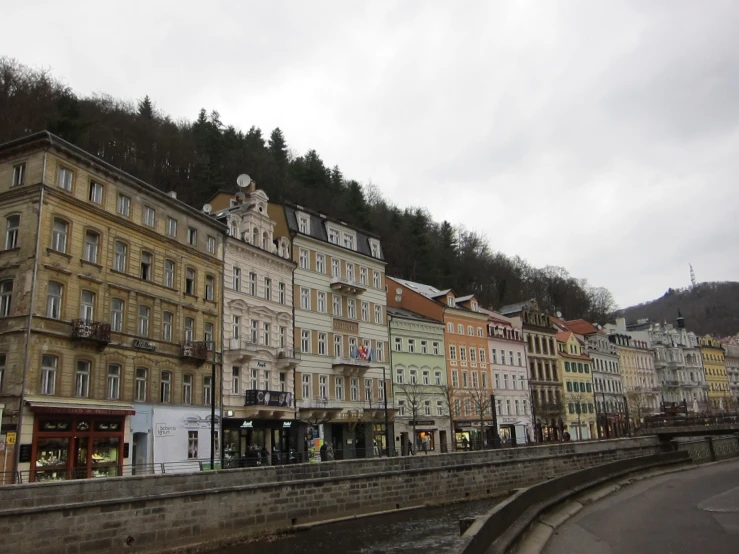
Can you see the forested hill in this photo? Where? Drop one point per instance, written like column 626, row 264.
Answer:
column 197, row 158
column 708, row 308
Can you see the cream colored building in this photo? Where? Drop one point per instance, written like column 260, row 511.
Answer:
column 340, row 329
column 109, row 289
column 259, row 355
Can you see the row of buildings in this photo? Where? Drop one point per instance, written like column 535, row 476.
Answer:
column 137, row 331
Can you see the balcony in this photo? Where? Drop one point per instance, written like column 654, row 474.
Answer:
column 194, row 350
column 670, row 383
column 288, row 357
column 246, row 346
column 93, row 331
column 271, row 398
column 351, row 366
column 548, row 408
column 347, row 286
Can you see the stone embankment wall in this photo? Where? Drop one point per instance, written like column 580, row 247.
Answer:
column 170, row 512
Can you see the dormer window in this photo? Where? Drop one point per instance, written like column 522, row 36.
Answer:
column 333, row 236
column 450, row 301
column 349, row 241
column 474, row 306
column 374, row 248
column 304, row 224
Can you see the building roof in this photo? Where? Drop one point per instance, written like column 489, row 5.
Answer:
column 563, row 336
column 465, row 298
column 75, row 151
column 515, row 308
column 318, row 229
column 581, row 327
column 407, row 314
column 426, row 290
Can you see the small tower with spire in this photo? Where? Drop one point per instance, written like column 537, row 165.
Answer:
column 680, row 320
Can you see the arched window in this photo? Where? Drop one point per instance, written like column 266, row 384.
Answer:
column 147, row 261
column 120, row 257
column 48, row 373
column 13, row 223
column 265, row 240
column 189, row 281
column 92, row 240
column 255, row 236
column 87, row 305
column 54, row 300
column 82, row 379
column 59, row 235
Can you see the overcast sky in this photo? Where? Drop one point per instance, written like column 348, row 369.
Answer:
column 599, row 136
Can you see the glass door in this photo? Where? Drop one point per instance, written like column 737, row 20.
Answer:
column 81, row 468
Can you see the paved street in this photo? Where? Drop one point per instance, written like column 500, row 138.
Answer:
column 686, row 512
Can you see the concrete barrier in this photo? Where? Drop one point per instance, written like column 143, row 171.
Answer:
column 500, row 528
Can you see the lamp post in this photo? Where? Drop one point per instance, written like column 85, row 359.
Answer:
column 212, row 345
column 605, row 414
column 494, row 411
column 388, row 443
column 626, row 410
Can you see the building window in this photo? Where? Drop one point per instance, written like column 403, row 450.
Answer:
column 64, row 178
column 494, row 356
column 305, row 341
column 144, row 321
column 376, row 279
column 124, row 205
column 192, row 445
column 6, row 296
column 452, row 352
column 465, row 379
column 413, row 379
column 303, row 224
column 48, row 374
column 455, row 379
column 267, row 288
column 426, row 379
column 208, row 335
column 368, row 390
column 82, row 379
column 254, row 331
column 338, row 346
column 335, row 268
column 348, row 241
column 482, row 355
column 320, row 263
column 473, row 355
column 192, row 236
column 208, row 390
column 412, row 346
column 190, row 281
column 354, row 390
column 306, row 385
column 116, row 315
column 339, row 384
column 304, row 259
column 435, row 347
column 351, row 308
column 59, row 235
column 19, row 175
column 323, row 387
column 236, row 328
column 253, row 284
column 165, row 388
column 187, row 388
column 283, row 334
column 281, row 293
column 210, row 285
column 211, row 244
column 92, row 240
column 484, row 381
column 450, row 327
column 321, row 300
column 54, row 300
column 337, row 304
column 171, row 226
column 87, row 306
column 146, row 263
column 189, row 329
column 401, row 408
column 378, row 315
column 437, row 378
column 141, row 384
column 12, row 223
column 169, row 273
column 375, row 249
column 333, row 236
column 114, row 382
column 350, row 272
column 460, row 329
column 149, row 216
column 322, row 343
column 305, row 298
column 265, row 334
column 167, row 319
column 119, row 257
column 398, row 344
column 236, row 278
column 362, row 275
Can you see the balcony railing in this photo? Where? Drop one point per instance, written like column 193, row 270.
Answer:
column 241, row 344
column 548, row 408
column 195, row 350
column 273, row 398
column 346, row 285
column 91, row 330
column 288, row 354
column 354, row 362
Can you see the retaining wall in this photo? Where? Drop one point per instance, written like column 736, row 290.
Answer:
column 157, row 513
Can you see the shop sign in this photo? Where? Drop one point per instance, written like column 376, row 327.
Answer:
column 164, row 430
column 25, row 453
column 507, row 419
column 256, row 397
column 144, row 345
column 247, row 425
column 10, row 438
column 423, row 422
column 287, row 424
column 344, row 326
column 262, row 364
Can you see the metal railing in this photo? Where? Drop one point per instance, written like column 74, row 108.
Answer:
column 91, row 330
column 659, row 421
column 241, row 344
column 192, row 349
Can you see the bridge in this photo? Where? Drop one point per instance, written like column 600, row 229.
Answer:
column 672, row 427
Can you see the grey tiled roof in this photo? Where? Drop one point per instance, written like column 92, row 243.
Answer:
column 318, row 230
column 515, row 308
column 407, row 314
column 427, row 290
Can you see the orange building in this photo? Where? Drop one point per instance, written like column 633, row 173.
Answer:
column 469, row 377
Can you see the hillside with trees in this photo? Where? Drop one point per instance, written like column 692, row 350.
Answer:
column 708, row 308
column 197, row 158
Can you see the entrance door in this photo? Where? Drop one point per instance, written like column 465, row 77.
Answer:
column 81, row 458
column 140, row 449
column 442, row 440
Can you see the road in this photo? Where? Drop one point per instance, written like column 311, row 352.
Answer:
column 686, row 512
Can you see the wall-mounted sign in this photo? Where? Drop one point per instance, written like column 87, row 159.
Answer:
column 25, row 453
column 164, row 430
column 422, row 422
column 287, row 424
column 144, row 345
column 256, row 397
column 262, row 364
column 345, row 326
column 247, row 424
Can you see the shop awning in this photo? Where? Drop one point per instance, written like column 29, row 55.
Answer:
column 79, row 406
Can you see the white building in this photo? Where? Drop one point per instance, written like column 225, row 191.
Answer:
column 259, row 357
column 340, row 329
column 507, row 355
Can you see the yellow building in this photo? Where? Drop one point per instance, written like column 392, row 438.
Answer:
column 714, row 363
column 577, row 380
column 109, row 289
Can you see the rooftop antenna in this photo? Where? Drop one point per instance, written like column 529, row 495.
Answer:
column 243, row 181
column 692, row 276
column 207, row 208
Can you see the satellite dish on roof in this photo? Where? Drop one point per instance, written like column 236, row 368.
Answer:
column 207, row 208
column 243, row 181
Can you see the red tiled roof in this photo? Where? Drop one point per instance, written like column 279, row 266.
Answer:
column 581, row 327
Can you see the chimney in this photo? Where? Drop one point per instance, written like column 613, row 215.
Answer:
column 173, row 194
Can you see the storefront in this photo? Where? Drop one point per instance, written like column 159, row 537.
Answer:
column 183, row 434
column 77, row 443
column 513, row 432
column 250, row 442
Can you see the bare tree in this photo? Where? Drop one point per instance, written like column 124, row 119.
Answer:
column 578, row 399
column 415, row 395
column 481, row 404
column 448, row 394
column 638, row 402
